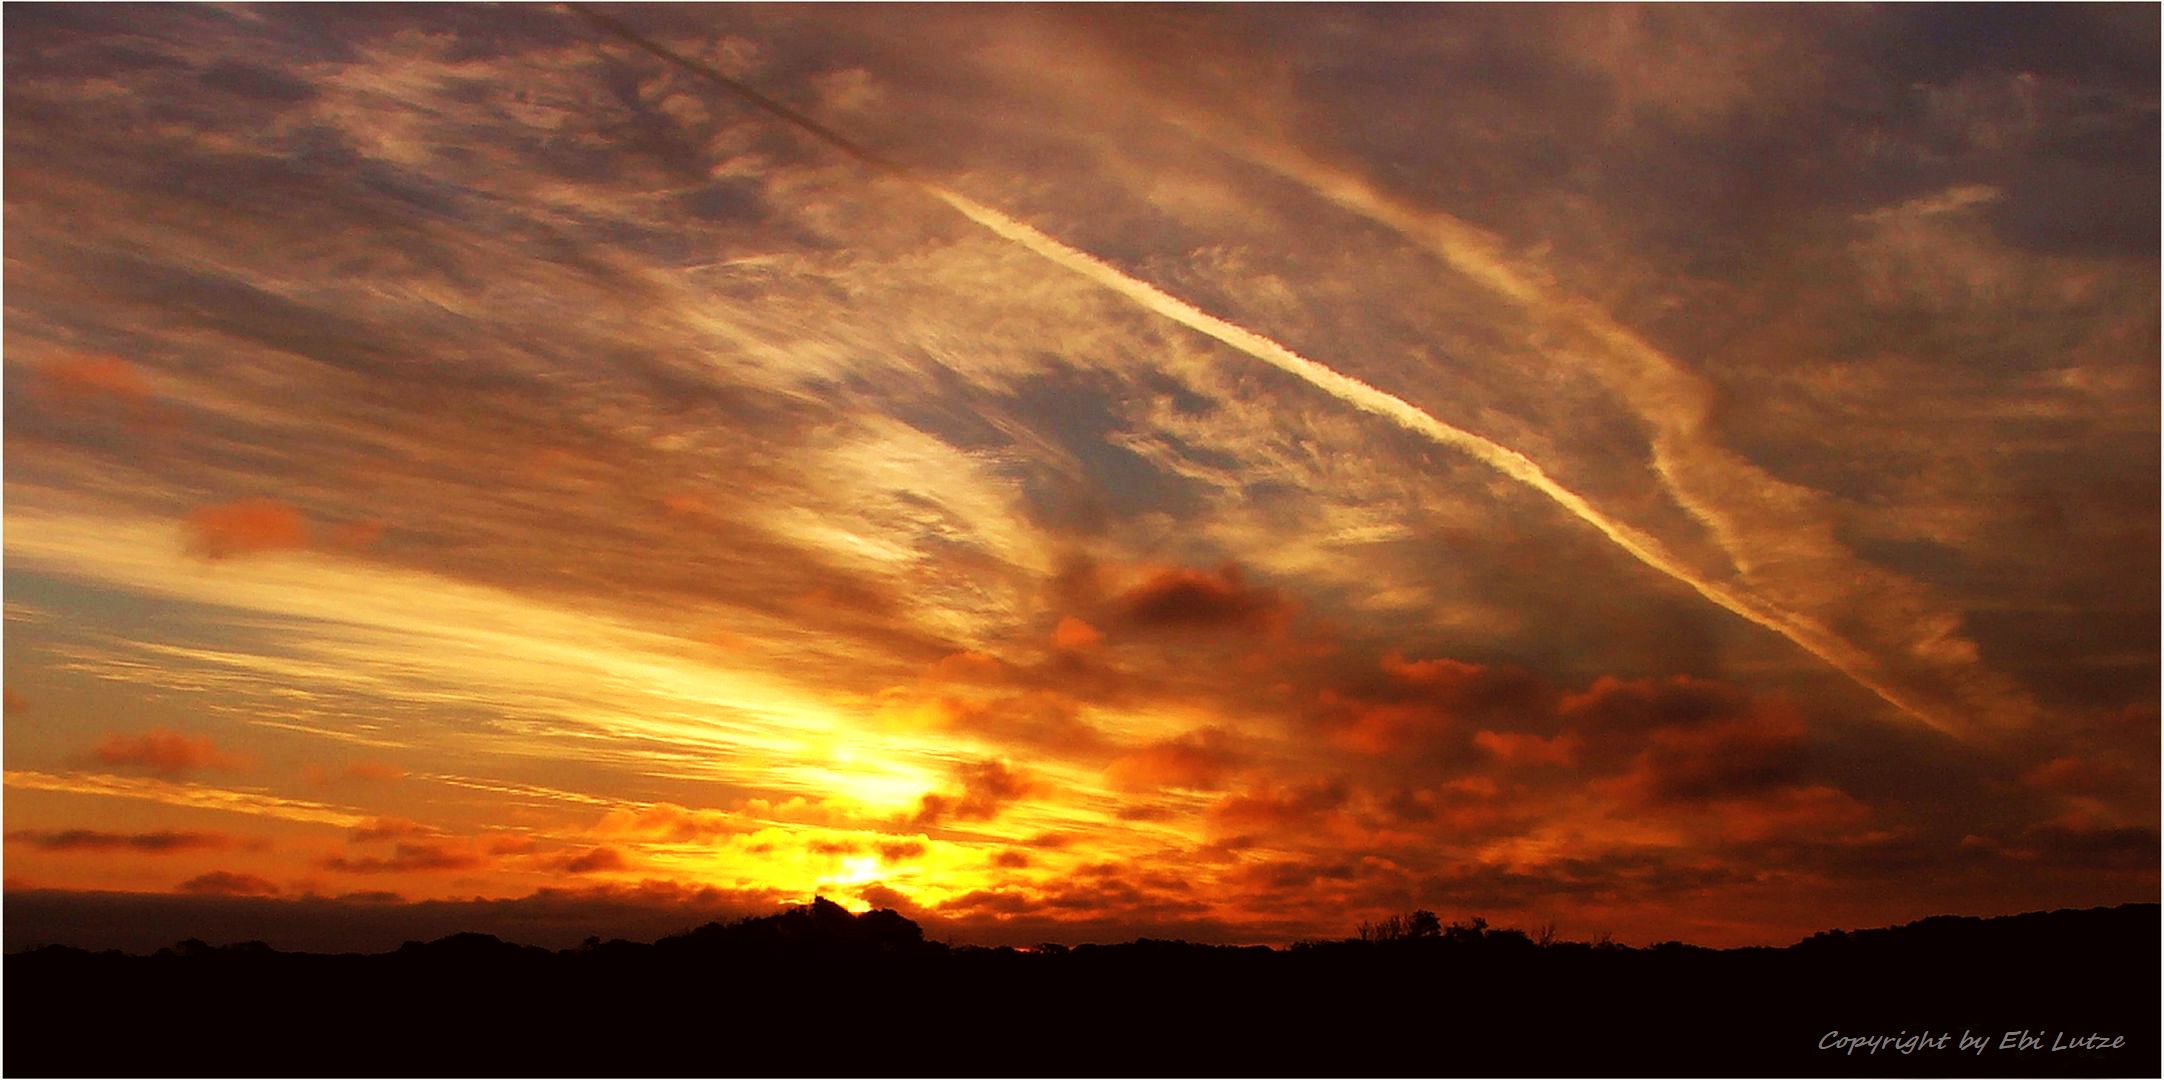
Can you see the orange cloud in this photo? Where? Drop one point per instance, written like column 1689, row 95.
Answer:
column 367, row 772
column 1272, row 809
column 986, row 788
column 1390, row 727
column 1814, row 811
column 389, row 828
column 507, row 844
column 1074, row 635
column 685, row 503
column 1635, row 706
column 1197, row 759
column 168, row 752
column 669, row 823
column 1435, row 705
column 1429, row 672
column 85, row 377
column 969, row 667
column 246, row 527
column 1512, row 748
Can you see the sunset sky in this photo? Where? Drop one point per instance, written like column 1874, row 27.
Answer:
column 1680, row 473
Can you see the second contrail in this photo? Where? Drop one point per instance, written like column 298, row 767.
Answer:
column 1805, row 634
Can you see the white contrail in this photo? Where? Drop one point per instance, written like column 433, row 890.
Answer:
column 1843, row 656
column 1783, row 552
column 1807, row 635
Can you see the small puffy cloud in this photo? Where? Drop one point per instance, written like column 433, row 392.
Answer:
column 895, row 851
column 969, row 667
column 882, row 896
column 1523, row 749
column 166, row 752
column 406, row 858
column 847, row 90
column 226, row 883
column 985, row 788
column 1198, row 759
column 1275, row 809
column 246, row 527
column 1188, row 599
column 668, row 823
column 1639, row 706
column 593, row 861
column 1074, row 635
column 1795, row 812
column 1433, row 706
column 1011, row 860
column 389, row 828
column 81, row 377
column 990, row 902
column 503, row 843
column 1041, row 719
column 1695, row 764
column 151, row 843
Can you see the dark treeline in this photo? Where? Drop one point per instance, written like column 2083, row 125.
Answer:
column 817, row 991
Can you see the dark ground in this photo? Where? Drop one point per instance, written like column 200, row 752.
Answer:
column 816, row 991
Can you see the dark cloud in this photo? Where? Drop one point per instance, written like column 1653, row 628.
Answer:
column 406, row 858
column 390, row 829
column 226, row 883
column 1181, row 598
column 1697, row 764
column 155, row 843
column 256, row 83
column 594, row 860
column 901, row 850
column 985, row 788
column 2073, row 844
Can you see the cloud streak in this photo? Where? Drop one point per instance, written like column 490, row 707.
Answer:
column 1805, row 633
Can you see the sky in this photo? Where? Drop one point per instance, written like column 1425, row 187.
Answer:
column 1220, row 472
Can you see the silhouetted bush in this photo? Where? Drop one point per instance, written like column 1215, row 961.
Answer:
column 817, row 990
